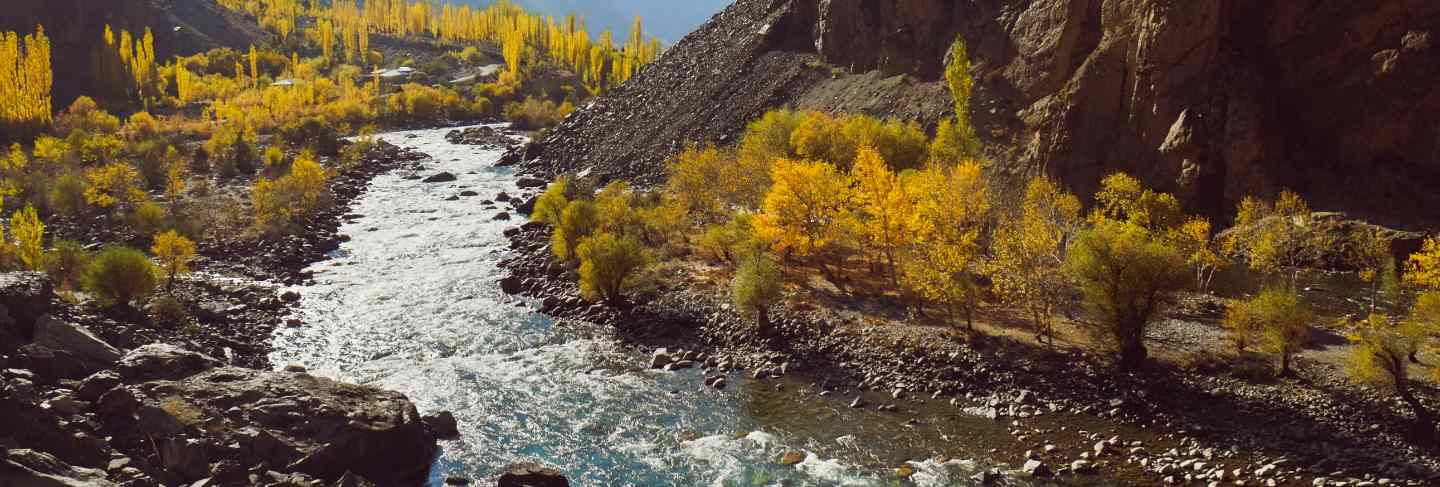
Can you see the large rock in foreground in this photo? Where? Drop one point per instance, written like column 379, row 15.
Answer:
column 288, row 422
column 24, row 298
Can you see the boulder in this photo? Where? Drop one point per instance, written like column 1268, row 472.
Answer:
column 531, row 475
column 660, row 358
column 159, row 361
column 29, row 468
column 51, row 365
column 24, row 298
column 443, row 177
column 442, row 424
column 1036, row 468
column 530, row 182
column 93, row 352
column 295, row 422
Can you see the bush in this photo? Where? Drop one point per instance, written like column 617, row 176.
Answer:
column 757, row 287
column 167, row 310
column 1276, row 319
column 731, row 242
column 533, row 114
column 550, row 206
column 579, row 220
column 606, row 264
column 65, row 263
column 67, row 195
column 146, row 218
column 141, row 126
column 120, row 276
column 314, row 133
column 1127, row 277
column 230, row 152
column 84, row 115
column 174, row 252
column 280, row 202
column 769, row 137
column 420, row 103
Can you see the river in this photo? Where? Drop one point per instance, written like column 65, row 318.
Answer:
column 411, row 303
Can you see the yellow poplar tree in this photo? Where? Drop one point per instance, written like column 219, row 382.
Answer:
column 952, row 205
column 174, row 252
column 1029, row 252
column 807, row 212
column 29, row 234
column 883, row 204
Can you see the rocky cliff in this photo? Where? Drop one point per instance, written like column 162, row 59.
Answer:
column 1212, row 99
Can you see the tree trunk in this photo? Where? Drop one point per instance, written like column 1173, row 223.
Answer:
column 762, row 317
column 1423, row 430
column 1132, row 354
column 1284, row 364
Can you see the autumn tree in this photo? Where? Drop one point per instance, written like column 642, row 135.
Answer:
column 279, row 202
column 1028, row 252
column 884, row 206
column 113, row 185
column 757, row 287
column 579, row 220
column 25, row 83
column 550, row 206
column 808, row 213
column 1379, row 356
column 958, row 139
column 709, row 183
column 29, row 235
column 607, row 264
column 1278, row 237
column 951, row 208
column 1276, row 319
column 120, row 276
column 1369, row 254
column 1422, row 269
column 1126, row 264
column 174, row 252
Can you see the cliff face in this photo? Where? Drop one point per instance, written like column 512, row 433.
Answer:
column 1211, row 99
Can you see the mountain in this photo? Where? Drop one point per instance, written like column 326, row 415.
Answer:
column 1212, row 100
column 667, row 19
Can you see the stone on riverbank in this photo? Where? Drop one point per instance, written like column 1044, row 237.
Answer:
column 531, row 475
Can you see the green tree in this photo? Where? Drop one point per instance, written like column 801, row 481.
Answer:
column 1126, row 276
column 607, row 264
column 120, row 276
column 757, row 287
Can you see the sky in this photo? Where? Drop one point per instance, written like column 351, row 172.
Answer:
column 669, row 20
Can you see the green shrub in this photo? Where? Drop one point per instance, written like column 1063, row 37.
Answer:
column 757, row 287
column 67, row 196
column 726, row 242
column 769, row 137
column 65, row 263
column 607, row 263
column 120, row 276
column 314, row 133
column 166, row 310
column 533, row 114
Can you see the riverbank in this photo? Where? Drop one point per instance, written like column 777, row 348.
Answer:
column 1180, row 425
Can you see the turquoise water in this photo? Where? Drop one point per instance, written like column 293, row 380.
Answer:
column 411, row 303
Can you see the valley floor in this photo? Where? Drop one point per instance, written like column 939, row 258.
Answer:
column 1194, row 415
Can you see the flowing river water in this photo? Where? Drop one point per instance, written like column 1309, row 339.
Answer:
column 411, row 303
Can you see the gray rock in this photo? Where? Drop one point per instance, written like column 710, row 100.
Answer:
column 660, row 358
column 159, row 361
column 78, row 341
column 531, row 475
column 1036, row 468
column 29, row 468
column 443, row 177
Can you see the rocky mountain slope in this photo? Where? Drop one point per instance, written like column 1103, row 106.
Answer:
column 1211, row 99
column 181, row 27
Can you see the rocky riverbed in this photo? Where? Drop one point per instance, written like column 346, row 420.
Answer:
column 1070, row 416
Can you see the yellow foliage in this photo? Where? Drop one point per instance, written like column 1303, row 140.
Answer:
column 113, row 184
column 174, row 252
column 607, row 264
column 708, row 183
column 1422, row 269
column 884, row 205
column 25, row 82
column 29, row 235
column 951, row 207
column 808, row 209
column 278, row 203
column 1029, row 251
